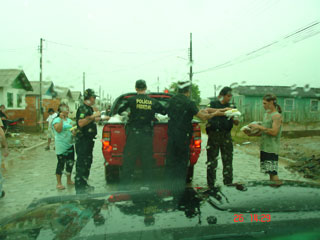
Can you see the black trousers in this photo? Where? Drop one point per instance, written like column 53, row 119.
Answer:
column 177, row 159
column 219, row 141
column 84, row 148
column 139, row 145
column 65, row 161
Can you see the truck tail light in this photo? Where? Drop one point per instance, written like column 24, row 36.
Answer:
column 106, row 145
column 106, row 141
column 197, row 142
column 197, row 137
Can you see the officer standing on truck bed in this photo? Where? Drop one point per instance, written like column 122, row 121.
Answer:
column 219, row 138
column 181, row 111
column 139, row 133
column 86, row 133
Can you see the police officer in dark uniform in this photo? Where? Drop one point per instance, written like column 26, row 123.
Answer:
column 181, row 111
column 219, row 139
column 86, row 133
column 139, row 133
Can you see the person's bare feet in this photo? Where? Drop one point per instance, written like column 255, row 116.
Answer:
column 60, row 187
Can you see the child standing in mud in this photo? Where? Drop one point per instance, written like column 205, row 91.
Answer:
column 270, row 132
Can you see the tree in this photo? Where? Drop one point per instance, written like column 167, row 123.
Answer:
column 194, row 89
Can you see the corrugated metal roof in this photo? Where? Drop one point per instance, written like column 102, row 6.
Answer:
column 279, row 91
column 63, row 92
column 47, row 88
column 15, row 78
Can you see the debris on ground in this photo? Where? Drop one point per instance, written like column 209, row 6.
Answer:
column 310, row 168
column 20, row 141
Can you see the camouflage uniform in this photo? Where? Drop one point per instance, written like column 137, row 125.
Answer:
column 219, row 138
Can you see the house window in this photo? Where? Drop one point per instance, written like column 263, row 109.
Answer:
column 19, row 100
column 314, row 105
column 288, row 105
column 9, row 100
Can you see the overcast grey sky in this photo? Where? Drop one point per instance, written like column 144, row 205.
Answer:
column 118, row 42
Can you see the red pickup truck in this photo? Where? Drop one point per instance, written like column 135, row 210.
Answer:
column 114, row 140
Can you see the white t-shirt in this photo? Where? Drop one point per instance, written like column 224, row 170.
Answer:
column 50, row 119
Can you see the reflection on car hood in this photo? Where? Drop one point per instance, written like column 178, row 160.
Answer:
column 270, row 197
column 125, row 212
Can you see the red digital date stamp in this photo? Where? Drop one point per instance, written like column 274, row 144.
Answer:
column 254, row 217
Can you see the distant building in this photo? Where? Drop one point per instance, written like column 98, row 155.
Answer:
column 49, row 100
column 74, row 103
column 14, row 85
column 63, row 94
column 298, row 104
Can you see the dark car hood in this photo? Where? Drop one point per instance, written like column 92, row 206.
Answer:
column 269, row 197
column 143, row 211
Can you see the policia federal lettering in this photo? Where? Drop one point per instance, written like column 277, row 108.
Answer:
column 139, row 133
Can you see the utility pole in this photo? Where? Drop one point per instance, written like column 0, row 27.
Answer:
column 100, row 98
column 40, row 94
column 190, row 62
column 104, row 104
column 215, row 91
column 84, row 82
column 158, row 84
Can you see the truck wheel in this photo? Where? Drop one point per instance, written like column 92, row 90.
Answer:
column 112, row 174
column 190, row 173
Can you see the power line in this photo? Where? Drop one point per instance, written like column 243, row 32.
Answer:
column 257, row 9
column 139, row 65
column 113, row 51
column 297, row 36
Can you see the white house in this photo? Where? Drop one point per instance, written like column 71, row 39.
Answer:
column 13, row 87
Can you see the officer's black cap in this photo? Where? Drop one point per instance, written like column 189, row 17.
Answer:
column 141, row 84
column 89, row 93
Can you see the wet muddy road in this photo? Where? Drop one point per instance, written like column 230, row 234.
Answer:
column 32, row 175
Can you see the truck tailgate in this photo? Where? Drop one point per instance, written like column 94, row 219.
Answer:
column 160, row 140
